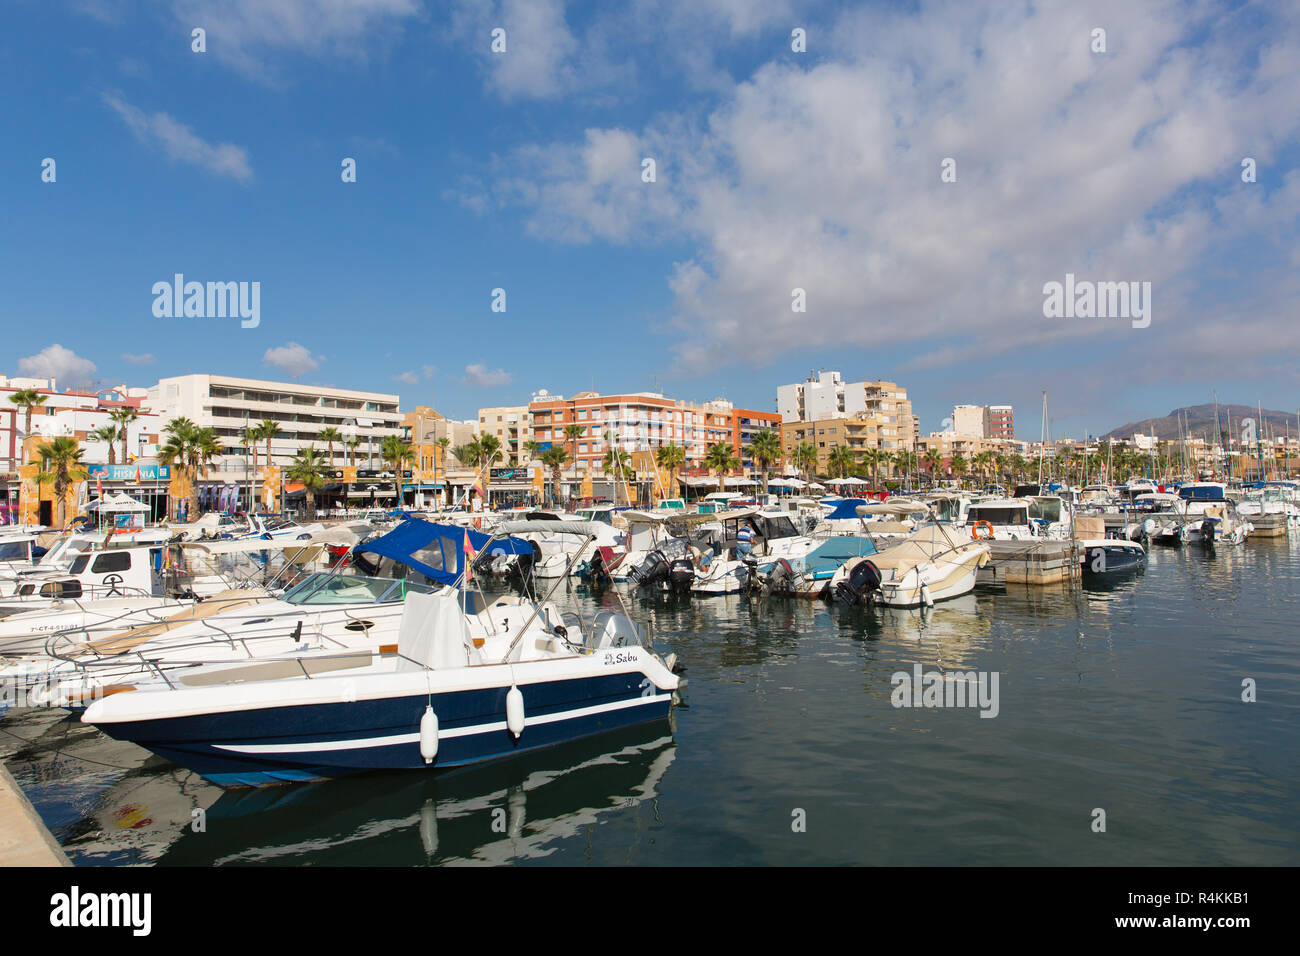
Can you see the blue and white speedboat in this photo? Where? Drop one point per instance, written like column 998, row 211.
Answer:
column 466, row 682
column 810, row 575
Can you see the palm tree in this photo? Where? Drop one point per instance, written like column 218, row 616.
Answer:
column 841, row 461
column 266, row 430
column 722, row 459
column 555, row 458
column 671, row 457
column 351, row 442
column 309, row 468
column 329, row 436
column 121, row 418
column 108, row 435
column 191, row 449
column 573, row 433
column 396, row 452
column 764, row 450
column 489, row 450
column 932, row 460
column 27, row 399
column 958, row 466
column 60, row 463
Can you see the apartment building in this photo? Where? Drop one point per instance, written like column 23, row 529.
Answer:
column 971, row 421
column 825, row 396
column 639, row 422
column 948, row 443
column 747, row 425
column 75, row 414
column 229, row 405
column 857, row 434
column 512, row 426
column 1001, row 422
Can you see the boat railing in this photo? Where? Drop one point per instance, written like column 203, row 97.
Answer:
column 134, row 658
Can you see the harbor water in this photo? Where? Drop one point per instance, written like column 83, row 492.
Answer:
column 1121, row 706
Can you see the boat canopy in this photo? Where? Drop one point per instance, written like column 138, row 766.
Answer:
column 835, row 551
column 894, row 506
column 845, row 508
column 584, row 528
column 438, row 550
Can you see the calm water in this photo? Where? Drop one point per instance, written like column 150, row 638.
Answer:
column 1126, row 699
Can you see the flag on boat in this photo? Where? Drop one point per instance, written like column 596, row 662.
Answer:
column 469, row 557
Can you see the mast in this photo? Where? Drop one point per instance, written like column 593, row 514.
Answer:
column 1218, row 435
column 1042, row 441
column 1259, row 441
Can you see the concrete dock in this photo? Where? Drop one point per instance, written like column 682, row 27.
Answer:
column 24, row 840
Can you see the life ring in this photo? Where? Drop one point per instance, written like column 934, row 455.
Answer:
column 975, row 530
column 478, row 523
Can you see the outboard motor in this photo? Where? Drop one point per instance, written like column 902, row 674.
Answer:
column 779, row 580
column 653, row 570
column 861, row 582
column 522, row 569
column 681, row 575
column 598, row 575
column 1207, row 531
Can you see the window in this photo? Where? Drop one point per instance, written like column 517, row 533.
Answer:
column 110, row 561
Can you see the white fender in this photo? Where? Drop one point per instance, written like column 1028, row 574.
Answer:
column 429, row 734
column 515, row 710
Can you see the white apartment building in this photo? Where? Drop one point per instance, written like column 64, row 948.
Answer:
column 826, row 396
column 229, row 405
column 971, row 421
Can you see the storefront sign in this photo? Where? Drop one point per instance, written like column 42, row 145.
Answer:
column 130, row 472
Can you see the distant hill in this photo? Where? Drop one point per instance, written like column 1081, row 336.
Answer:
column 1200, row 422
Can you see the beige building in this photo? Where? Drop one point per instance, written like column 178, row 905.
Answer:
column 857, row 434
column 512, row 427
column 971, row 421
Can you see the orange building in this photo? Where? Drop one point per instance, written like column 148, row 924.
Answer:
column 640, row 422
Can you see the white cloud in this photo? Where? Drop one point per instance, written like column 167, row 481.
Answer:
column 64, row 365
column 292, row 359
column 252, row 35
column 480, row 375
column 824, row 174
column 539, row 45
column 145, row 358
column 415, row 378
column 180, row 143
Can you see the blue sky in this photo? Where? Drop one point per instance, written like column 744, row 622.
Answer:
column 775, row 170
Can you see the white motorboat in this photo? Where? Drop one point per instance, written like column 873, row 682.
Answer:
column 462, row 684
column 932, row 564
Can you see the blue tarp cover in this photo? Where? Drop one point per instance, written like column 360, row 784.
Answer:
column 437, row 550
column 846, row 508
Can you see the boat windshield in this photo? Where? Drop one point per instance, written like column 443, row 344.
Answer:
column 15, row 551
column 1048, row 509
column 999, row 516
column 325, row 588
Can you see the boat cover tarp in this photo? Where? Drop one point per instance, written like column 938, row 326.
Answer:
column 846, row 508
column 438, row 550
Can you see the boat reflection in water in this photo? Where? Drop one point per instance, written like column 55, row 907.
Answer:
column 505, row 812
